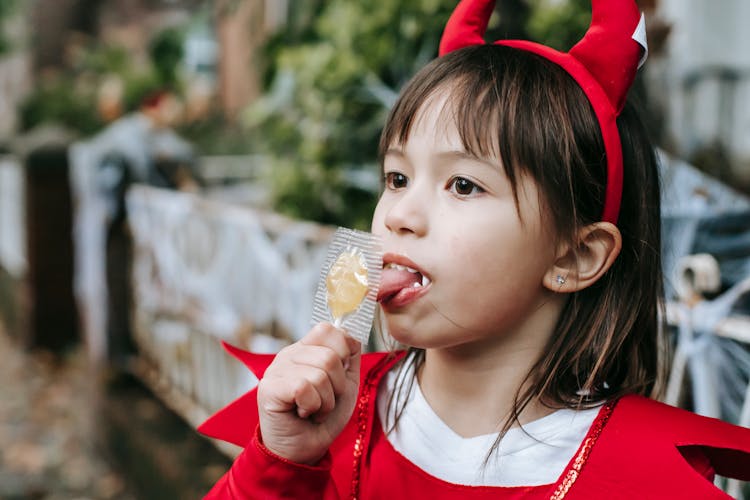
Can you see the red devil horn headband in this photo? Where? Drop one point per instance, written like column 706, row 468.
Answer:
column 604, row 64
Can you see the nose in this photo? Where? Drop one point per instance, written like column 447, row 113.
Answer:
column 406, row 212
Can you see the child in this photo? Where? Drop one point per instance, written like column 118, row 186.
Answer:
column 520, row 224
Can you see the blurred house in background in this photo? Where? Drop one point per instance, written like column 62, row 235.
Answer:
column 218, row 57
column 701, row 78
column 704, row 81
column 242, row 28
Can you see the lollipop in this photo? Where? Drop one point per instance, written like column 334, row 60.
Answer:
column 349, row 282
column 346, row 284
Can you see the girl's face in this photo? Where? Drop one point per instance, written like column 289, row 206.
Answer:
column 452, row 217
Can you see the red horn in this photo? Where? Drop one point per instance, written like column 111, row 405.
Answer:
column 467, row 25
column 609, row 49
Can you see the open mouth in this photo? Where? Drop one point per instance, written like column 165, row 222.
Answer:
column 401, row 282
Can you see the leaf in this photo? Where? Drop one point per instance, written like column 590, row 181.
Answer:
column 331, row 80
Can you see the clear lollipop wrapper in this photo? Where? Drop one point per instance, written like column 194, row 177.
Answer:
column 348, row 287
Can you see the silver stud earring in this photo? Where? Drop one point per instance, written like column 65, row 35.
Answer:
column 560, row 279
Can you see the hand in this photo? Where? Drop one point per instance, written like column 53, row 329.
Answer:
column 308, row 393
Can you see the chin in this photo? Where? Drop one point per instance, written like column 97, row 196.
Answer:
column 420, row 338
column 410, row 329
column 405, row 336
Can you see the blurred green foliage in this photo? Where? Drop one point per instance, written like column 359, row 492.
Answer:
column 166, row 54
column 7, row 10
column 69, row 95
column 59, row 100
column 333, row 74
column 559, row 24
column 214, row 135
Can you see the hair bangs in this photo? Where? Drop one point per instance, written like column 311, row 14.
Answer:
column 479, row 100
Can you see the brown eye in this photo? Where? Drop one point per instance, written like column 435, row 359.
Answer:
column 464, row 187
column 396, row 180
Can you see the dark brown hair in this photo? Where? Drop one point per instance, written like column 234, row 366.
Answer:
column 531, row 114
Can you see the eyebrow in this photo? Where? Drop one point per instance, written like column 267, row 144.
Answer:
column 454, row 154
column 465, row 155
column 394, row 151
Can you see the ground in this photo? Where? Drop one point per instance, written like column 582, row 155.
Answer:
column 68, row 431
column 47, row 448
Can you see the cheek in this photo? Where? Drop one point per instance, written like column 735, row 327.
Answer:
column 496, row 258
column 475, row 263
column 489, row 289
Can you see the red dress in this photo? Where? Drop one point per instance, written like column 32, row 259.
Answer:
column 636, row 448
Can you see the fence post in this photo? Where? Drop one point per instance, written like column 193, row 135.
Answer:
column 53, row 321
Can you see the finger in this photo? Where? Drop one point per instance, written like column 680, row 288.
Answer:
column 307, row 400
column 294, row 385
column 276, row 395
column 325, row 359
column 352, row 365
column 325, row 334
column 355, row 348
column 313, row 393
column 341, row 342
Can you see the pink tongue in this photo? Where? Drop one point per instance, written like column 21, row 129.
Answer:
column 394, row 280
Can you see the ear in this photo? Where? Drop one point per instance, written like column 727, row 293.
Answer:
column 597, row 247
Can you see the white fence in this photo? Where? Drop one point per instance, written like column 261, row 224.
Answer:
column 13, row 256
column 204, row 271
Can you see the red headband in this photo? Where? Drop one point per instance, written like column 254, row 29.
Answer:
column 603, row 63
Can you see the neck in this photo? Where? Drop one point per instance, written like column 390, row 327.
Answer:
column 472, row 388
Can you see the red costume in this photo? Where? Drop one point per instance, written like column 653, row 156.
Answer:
column 636, row 448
